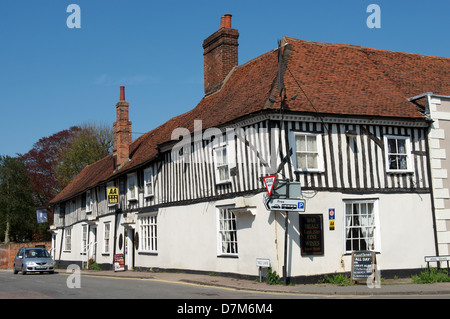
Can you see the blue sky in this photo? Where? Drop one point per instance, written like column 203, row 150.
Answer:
column 54, row 77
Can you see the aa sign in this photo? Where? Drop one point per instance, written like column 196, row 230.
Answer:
column 113, row 195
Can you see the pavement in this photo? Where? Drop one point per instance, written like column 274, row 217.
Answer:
column 387, row 287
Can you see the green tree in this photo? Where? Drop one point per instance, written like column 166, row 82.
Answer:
column 17, row 219
column 92, row 143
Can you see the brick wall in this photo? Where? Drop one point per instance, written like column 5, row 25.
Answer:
column 9, row 251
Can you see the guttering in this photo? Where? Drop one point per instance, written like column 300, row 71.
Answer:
column 427, row 94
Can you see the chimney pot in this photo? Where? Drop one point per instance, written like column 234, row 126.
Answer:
column 122, row 93
column 227, row 21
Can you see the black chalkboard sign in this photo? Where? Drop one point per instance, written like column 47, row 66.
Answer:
column 362, row 264
column 311, row 234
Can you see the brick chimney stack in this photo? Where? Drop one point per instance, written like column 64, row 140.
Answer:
column 220, row 54
column 122, row 131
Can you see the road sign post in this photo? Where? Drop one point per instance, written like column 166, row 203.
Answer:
column 286, row 199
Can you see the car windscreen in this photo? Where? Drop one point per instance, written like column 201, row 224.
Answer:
column 36, row 253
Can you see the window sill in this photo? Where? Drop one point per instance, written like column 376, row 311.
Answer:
column 148, row 253
column 399, row 172
column 228, row 256
column 309, row 171
column 223, row 182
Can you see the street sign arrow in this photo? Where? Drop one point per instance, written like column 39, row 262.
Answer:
column 291, row 205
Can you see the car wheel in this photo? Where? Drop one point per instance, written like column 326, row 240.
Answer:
column 15, row 271
column 24, row 272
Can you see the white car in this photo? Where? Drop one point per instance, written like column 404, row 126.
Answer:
column 33, row 260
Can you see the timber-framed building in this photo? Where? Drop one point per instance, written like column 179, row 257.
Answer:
column 339, row 119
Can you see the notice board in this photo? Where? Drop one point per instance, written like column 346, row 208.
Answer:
column 311, row 234
column 363, row 262
column 119, row 262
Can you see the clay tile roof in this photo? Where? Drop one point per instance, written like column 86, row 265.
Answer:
column 90, row 176
column 338, row 79
column 352, row 80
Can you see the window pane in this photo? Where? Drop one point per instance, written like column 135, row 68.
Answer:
column 301, row 160
column 392, row 146
column 401, row 148
column 300, row 144
column 312, row 161
column 402, row 162
column 393, row 162
column 311, row 143
column 221, row 156
column 223, row 173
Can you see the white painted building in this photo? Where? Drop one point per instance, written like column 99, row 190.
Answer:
column 191, row 192
column 438, row 109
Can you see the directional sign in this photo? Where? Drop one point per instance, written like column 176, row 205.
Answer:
column 291, row 205
column 269, row 181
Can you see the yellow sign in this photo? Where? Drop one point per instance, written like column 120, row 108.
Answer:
column 113, row 195
column 331, row 224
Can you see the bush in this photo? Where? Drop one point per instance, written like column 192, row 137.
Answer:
column 431, row 275
column 92, row 265
column 272, row 278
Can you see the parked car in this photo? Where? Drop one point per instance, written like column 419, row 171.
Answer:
column 33, row 260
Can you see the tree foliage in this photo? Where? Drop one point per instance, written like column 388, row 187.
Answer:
column 90, row 144
column 40, row 163
column 44, row 171
column 17, row 220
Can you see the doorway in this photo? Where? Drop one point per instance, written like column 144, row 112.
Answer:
column 129, row 248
